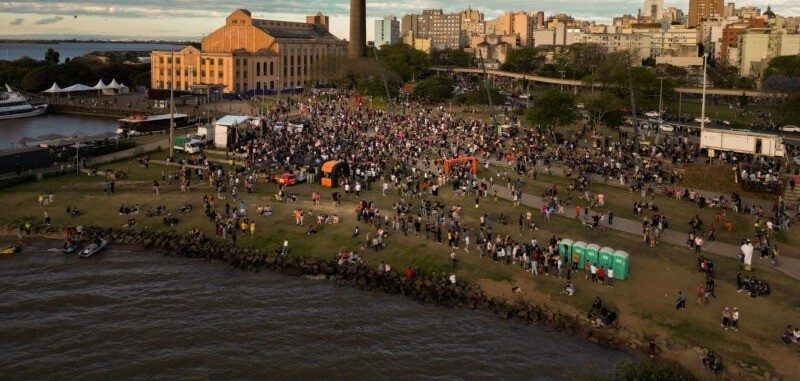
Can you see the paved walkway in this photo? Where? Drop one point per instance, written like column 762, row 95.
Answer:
column 789, row 266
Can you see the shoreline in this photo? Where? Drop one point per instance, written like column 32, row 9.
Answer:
column 421, row 288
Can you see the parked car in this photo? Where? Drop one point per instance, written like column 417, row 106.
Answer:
column 289, row 178
column 790, row 128
column 666, row 128
column 652, row 114
column 701, row 120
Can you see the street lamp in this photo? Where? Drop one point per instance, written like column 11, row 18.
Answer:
column 661, row 96
column 703, row 105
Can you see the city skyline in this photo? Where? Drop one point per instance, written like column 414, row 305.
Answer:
column 146, row 18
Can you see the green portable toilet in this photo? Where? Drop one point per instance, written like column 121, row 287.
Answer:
column 606, row 257
column 621, row 263
column 565, row 249
column 592, row 253
column 579, row 248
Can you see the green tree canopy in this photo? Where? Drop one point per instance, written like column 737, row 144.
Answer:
column 38, row 79
column 604, row 109
column 523, row 60
column 434, row 88
column 51, row 56
column 552, row 108
column 786, row 65
column 403, row 60
column 789, row 110
column 451, row 57
column 479, row 97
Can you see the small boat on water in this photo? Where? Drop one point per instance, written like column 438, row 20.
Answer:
column 9, row 249
column 93, row 248
column 13, row 105
column 69, row 248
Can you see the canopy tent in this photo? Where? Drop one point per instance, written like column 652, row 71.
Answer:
column 53, row 89
column 115, row 87
column 77, row 87
column 100, row 85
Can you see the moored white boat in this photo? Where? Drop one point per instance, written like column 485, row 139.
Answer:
column 13, row 105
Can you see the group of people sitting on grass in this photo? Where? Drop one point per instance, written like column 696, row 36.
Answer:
column 791, row 335
column 753, row 286
column 601, row 315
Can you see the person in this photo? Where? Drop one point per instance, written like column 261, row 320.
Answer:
column 726, row 317
column 601, row 275
column 355, row 232
column 409, row 273
column 593, row 272
column 252, row 228
column 452, row 279
column 735, row 319
column 569, row 289
column 285, row 249
column 453, row 259
column 680, row 302
column 47, row 217
column 610, row 277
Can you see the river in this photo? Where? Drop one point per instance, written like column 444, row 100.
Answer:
column 129, row 314
column 16, row 50
column 12, row 130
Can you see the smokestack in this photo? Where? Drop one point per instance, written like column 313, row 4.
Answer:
column 358, row 28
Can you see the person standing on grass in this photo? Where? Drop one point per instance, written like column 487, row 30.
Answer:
column 47, row 217
column 610, row 277
column 593, row 272
column 735, row 319
column 601, row 275
column 252, row 228
column 680, row 302
column 610, row 218
column 726, row 317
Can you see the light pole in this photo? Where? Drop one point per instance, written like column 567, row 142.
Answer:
column 172, row 106
column 661, row 96
column 562, row 80
column 703, row 104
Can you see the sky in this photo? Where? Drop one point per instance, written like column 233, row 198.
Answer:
column 191, row 19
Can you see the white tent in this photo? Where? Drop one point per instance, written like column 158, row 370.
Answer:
column 100, row 85
column 77, row 87
column 53, row 89
column 113, row 84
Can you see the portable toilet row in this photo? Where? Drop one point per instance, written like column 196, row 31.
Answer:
column 596, row 255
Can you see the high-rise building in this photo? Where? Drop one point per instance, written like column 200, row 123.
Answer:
column 700, row 10
column 444, row 30
column 730, row 10
column 472, row 22
column 653, row 9
column 387, row 31
column 248, row 54
column 520, row 24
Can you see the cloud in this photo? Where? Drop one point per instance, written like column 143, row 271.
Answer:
column 17, row 21
column 49, row 20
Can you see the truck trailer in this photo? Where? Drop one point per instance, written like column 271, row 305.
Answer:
column 740, row 141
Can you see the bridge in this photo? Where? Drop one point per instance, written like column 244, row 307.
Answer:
column 578, row 83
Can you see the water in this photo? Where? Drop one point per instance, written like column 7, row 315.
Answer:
column 12, row 130
column 129, row 314
column 12, row 50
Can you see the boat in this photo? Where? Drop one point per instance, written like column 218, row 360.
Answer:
column 93, row 248
column 9, row 249
column 69, row 248
column 13, row 105
column 144, row 123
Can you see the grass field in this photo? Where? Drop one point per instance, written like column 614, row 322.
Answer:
column 645, row 301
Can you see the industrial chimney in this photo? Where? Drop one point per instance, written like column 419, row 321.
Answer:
column 358, row 28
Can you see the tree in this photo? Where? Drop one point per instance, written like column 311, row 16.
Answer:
column 552, row 108
column 51, row 56
column 604, row 109
column 523, row 60
column 403, row 60
column 434, row 88
column 781, row 83
column 38, row 79
column 789, row 110
column 479, row 97
column 451, row 57
column 786, row 65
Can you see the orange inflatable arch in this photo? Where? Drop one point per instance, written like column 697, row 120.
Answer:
column 473, row 161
